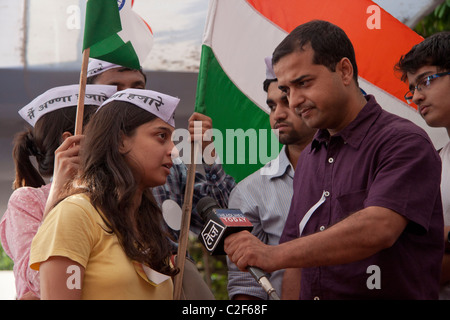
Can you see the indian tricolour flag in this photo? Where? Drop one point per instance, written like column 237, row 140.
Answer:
column 115, row 33
column 239, row 34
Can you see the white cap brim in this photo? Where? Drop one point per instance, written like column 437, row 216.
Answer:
column 96, row 67
column 160, row 104
column 62, row 97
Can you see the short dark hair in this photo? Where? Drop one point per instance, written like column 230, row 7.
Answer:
column 329, row 42
column 433, row 51
column 267, row 83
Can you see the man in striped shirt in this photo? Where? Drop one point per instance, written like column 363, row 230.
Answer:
column 265, row 196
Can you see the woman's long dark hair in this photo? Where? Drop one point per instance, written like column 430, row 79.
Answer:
column 41, row 142
column 111, row 186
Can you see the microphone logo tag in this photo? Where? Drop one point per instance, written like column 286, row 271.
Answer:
column 211, row 234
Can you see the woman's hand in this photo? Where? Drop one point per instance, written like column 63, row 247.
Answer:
column 67, row 163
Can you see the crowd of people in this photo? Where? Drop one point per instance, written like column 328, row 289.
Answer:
column 356, row 207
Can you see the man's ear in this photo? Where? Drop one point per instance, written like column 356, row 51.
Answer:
column 345, row 68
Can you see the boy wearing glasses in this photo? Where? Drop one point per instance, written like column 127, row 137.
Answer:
column 426, row 67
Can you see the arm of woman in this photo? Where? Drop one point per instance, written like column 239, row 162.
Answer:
column 61, row 279
column 67, row 162
column 18, row 226
column 61, row 248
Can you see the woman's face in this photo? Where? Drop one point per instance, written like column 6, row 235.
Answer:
column 148, row 152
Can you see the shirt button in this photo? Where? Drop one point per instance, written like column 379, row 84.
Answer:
column 322, row 228
column 330, row 160
column 316, row 298
column 326, row 194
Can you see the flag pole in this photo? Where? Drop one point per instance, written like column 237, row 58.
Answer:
column 186, row 220
column 81, row 92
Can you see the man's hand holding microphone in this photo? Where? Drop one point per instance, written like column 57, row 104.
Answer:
column 244, row 249
column 226, row 231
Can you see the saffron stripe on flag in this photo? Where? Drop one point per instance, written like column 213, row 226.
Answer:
column 377, row 50
column 258, row 26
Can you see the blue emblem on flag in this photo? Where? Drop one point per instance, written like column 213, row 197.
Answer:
column 121, row 3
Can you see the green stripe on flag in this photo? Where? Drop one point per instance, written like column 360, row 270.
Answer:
column 233, row 113
column 101, row 34
column 102, row 21
column 114, row 50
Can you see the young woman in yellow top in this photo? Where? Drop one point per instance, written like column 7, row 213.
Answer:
column 106, row 240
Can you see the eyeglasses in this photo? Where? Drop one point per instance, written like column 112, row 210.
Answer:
column 423, row 84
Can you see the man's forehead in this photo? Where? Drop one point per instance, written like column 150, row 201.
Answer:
column 118, row 74
column 294, row 62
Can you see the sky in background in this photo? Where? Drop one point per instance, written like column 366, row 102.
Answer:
column 178, row 29
column 48, row 33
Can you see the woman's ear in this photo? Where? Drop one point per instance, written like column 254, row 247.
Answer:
column 124, row 143
column 65, row 135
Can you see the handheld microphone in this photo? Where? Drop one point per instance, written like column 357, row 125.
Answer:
column 219, row 224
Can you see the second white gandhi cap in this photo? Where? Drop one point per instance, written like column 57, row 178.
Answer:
column 96, row 67
column 161, row 105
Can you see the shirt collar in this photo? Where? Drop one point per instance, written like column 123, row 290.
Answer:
column 357, row 130
column 284, row 165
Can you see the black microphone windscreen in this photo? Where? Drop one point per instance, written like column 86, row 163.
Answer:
column 204, row 205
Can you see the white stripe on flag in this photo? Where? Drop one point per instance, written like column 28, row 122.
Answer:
column 243, row 61
column 136, row 31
